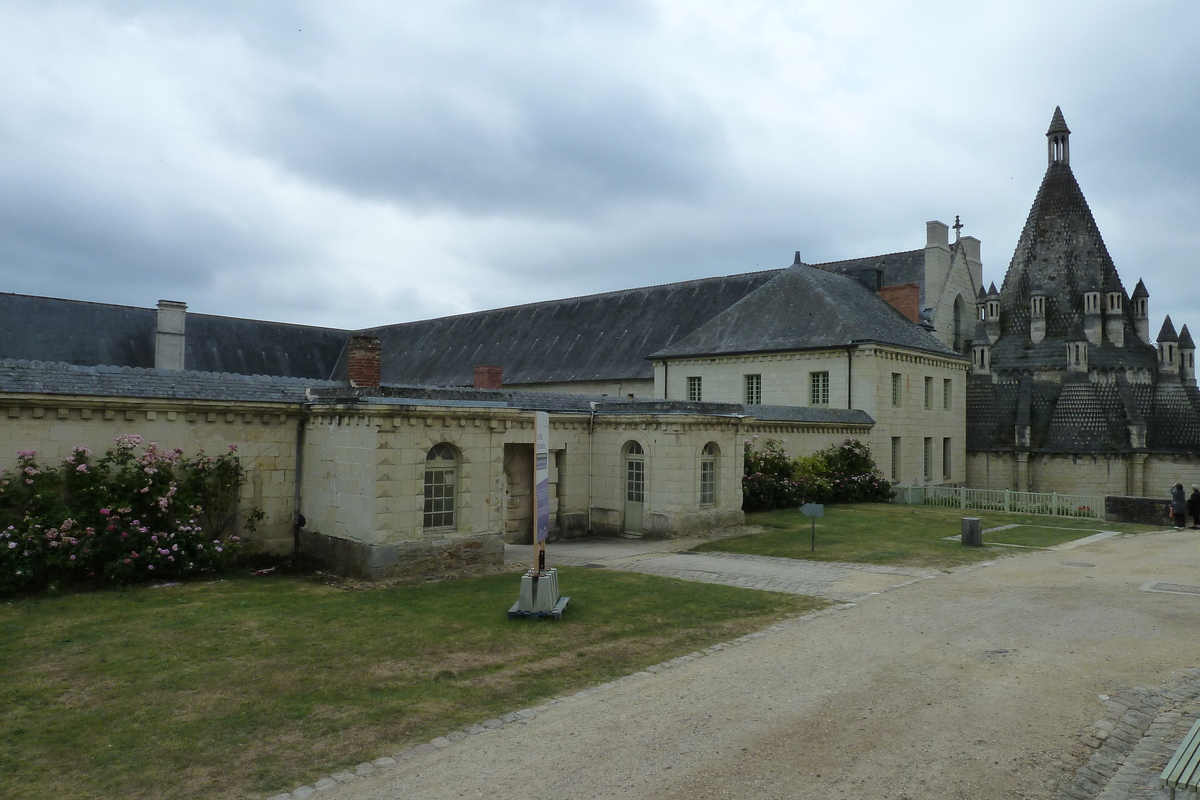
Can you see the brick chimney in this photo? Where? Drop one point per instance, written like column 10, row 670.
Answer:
column 489, row 377
column 363, row 361
column 905, row 298
column 169, row 343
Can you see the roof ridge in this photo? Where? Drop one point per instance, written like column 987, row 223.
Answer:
column 596, row 295
column 824, row 264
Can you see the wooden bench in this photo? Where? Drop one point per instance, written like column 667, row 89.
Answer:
column 1183, row 770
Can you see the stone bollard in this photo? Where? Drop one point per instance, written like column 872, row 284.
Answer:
column 972, row 532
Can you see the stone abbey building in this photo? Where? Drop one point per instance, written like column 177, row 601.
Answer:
column 410, row 446
column 1068, row 390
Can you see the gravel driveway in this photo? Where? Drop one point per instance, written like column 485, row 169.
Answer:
column 980, row 683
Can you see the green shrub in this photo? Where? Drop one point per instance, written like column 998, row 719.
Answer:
column 844, row 473
column 127, row 517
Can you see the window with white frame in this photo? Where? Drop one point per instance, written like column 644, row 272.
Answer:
column 694, row 392
column 708, row 474
column 928, row 393
column 928, row 458
column 947, row 389
column 441, row 484
column 895, row 459
column 897, row 388
column 818, row 394
column 753, row 390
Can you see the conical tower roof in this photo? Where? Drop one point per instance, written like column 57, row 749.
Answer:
column 1060, row 251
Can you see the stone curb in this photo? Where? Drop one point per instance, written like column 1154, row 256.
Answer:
column 528, row 714
column 1122, row 754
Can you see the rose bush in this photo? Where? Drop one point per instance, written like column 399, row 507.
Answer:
column 135, row 514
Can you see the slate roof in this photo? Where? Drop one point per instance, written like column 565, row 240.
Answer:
column 804, row 308
column 51, row 329
column 39, row 377
column 597, row 337
column 579, row 403
column 896, row 268
column 1061, row 254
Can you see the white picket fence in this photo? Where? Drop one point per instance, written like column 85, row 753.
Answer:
column 1056, row 504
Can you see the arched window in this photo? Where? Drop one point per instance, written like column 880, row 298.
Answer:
column 708, row 474
column 441, row 486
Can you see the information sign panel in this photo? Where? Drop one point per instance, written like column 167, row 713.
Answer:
column 541, row 475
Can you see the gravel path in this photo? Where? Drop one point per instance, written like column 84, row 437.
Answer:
column 1025, row 678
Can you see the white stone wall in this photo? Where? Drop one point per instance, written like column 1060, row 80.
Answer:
column 787, row 379
column 265, row 435
column 1100, row 474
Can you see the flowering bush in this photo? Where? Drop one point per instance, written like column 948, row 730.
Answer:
column 843, row 473
column 767, row 478
column 131, row 515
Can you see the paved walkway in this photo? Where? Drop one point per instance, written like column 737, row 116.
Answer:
column 671, row 558
column 980, row 683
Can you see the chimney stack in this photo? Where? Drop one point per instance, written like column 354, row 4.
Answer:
column 363, row 361
column 489, row 377
column 169, row 343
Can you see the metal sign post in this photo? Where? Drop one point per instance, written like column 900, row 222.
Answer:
column 541, row 487
column 812, row 511
column 539, row 586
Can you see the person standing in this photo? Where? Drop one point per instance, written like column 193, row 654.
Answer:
column 1193, row 506
column 1178, row 505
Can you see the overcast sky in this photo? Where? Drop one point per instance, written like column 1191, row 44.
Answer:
column 364, row 162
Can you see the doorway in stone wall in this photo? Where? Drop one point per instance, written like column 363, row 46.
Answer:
column 635, row 489
column 518, row 493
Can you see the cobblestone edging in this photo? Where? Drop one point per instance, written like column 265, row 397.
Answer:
column 1122, row 755
column 525, row 715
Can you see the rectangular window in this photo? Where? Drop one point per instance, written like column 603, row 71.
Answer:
column 708, row 482
column 928, row 393
column 947, row 458
column 694, row 392
column 753, row 390
column 946, row 388
column 439, row 497
column 819, row 389
column 895, row 459
column 928, row 457
column 896, row 388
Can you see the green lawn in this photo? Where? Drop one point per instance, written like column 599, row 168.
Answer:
column 251, row 686
column 883, row 533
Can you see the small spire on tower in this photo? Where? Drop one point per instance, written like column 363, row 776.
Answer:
column 958, row 226
column 1058, row 139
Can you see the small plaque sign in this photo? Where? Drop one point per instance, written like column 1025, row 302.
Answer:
column 813, row 510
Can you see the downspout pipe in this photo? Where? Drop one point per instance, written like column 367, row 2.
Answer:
column 850, row 375
column 298, row 518
column 591, row 448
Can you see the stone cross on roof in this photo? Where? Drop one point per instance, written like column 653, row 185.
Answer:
column 958, row 226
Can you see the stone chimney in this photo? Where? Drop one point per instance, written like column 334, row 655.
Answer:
column 991, row 317
column 1037, row 316
column 1114, row 318
column 1168, row 348
column 1187, row 356
column 1141, row 311
column 363, row 361
column 489, row 377
column 169, row 342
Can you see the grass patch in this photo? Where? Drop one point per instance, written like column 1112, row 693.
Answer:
column 1040, row 535
column 250, row 686
column 883, row 533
